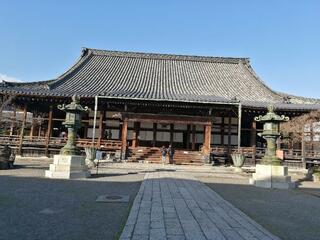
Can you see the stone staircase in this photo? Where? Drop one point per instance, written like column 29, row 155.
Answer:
column 153, row 155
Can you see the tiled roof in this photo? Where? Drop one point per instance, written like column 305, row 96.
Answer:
column 147, row 76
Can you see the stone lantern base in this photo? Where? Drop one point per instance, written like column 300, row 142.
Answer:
column 269, row 176
column 67, row 167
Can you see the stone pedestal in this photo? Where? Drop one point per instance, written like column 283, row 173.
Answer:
column 269, row 176
column 67, row 167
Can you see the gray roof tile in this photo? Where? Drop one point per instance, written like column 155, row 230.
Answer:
column 156, row 77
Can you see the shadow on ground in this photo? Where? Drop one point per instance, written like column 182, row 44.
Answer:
column 289, row 214
column 37, row 208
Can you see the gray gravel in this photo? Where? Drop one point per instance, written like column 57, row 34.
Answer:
column 289, row 214
column 32, row 207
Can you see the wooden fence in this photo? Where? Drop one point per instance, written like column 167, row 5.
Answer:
column 41, row 146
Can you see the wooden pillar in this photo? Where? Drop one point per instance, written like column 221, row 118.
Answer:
column 22, row 129
column 229, row 138
column 85, row 130
column 303, row 153
column 188, row 136
column 101, row 127
column 311, row 138
column 253, row 139
column 39, row 130
column 124, row 135
column 193, row 138
column 13, row 121
column 135, row 134
column 171, row 133
column 154, row 135
column 32, row 129
column 49, row 130
column 222, row 131
column 120, row 132
column 229, row 132
column 207, row 142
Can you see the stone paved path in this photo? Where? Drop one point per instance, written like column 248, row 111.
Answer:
column 173, row 205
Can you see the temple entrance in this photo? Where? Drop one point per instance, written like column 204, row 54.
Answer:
column 151, row 130
column 163, row 134
column 184, row 132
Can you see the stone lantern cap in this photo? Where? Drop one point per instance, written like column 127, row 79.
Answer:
column 74, row 106
column 271, row 116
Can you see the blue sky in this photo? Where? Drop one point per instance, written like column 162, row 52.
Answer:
column 41, row 39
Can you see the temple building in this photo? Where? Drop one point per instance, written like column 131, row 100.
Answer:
column 144, row 101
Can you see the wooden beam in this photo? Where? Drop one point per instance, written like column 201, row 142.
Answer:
column 49, row 130
column 165, row 119
column 22, row 129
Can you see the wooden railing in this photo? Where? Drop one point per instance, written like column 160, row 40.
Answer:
column 38, row 145
column 290, row 157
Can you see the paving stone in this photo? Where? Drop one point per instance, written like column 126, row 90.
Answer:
column 140, row 237
column 132, row 217
column 174, row 231
column 157, row 234
column 176, row 206
column 169, row 215
column 157, row 224
column 245, row 234
column 141, row 228
column 176, row 237
column 231, row 234
column 191, row 235
column 127, row 231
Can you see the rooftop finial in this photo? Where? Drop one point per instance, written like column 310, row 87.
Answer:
column 271, row 108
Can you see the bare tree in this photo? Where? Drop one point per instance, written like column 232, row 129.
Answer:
column 299, row 126
column 300, row 129
column 5, row 119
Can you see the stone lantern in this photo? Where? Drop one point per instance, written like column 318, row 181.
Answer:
column 270, row 173
column 271, row 122
column 73, row 123
column 69, row 164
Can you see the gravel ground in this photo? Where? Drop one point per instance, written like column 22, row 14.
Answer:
column 32, row 207
column 289, row 214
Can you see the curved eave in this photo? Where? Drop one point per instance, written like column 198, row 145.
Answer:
column 48, row 84
column 213, row 100
column 203, row 100
column 282, row 106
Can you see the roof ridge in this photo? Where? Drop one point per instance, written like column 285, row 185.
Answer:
column 45, row 82
column 164, row 56
column 310, row 99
